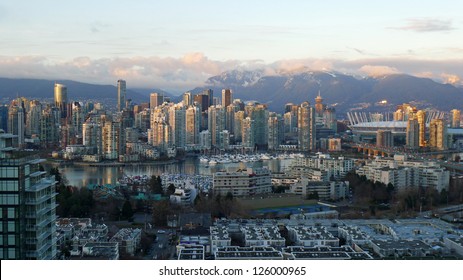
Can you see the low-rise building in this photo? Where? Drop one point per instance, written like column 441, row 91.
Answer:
column 268, row 236
column 100, row 251
column 248, row 253
column 128, row 240
column 312, row 236
column 324, row 253
column 219, row 237
column 406, row 174
column 322, row 189
column 454, row 244
column 190, row 252
column 400, row 248
column 242, row 183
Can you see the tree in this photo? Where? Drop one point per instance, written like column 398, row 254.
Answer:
column 170, row 189
column 155, row 185
column 161, row 209
column 127, row 211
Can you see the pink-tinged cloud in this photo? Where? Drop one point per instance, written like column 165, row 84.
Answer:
column 451, row 79
column 193, row 69
column 426, row 25
column 378, row 70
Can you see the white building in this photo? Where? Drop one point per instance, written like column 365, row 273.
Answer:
column 325, row 190
column 403, row 174
column 128, row 239
column 243, row 183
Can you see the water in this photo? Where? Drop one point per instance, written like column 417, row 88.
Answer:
column 89, row 175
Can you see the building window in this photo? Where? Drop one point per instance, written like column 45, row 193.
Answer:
column 11, row 240
column 12, row 213
column 11, row 227
column 11, row 253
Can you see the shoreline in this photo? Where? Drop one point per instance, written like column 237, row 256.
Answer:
column 111, row 164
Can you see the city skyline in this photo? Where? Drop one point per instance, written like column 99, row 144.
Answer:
column 178, row 46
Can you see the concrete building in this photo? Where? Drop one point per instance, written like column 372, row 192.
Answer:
column 336, row 168
column 384, row 138
column 247, row 133
column 312, row 236
column 275, row 126
column 156, row 99
column 324, row 190
column 128, row 240
column 121, row 94
column 227, row 97
column 216, row 120
column 248, row 253
column 242, row 183
column 438, row 134
column 406, row 174
column 306, row 127
column 16, row 123
column 190, row 252
column 412, row 138
column 219, row 237
column 100, row 251
column 268, row 236
column 455, row 118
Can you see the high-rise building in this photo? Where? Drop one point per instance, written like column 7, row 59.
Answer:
column 111, row 136
column 91, row 136
column 247, row 135
column 421, row 117
column 77, row 118
column 4, row 117
column 259, row 114
column 121, row 94
column 329, row 119
column 61, row 99
column 413, row 134
column 177, row 124
column 187, row 99
column 230, row 117
column 438, row 134
column 27, row 204
column 319, row 106
column 210, row 94
column 156, row 99
column 203, row 101
column 239, row 117
column 49, row 127
column 275, row 131
column 455, row 118
column 16, row 124
column 216, row 119
column 384, row 138
column 192, row 125
column 33, row 118
column 227, row 97
column 306, row 127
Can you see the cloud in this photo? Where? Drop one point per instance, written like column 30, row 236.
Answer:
column 451, row 79
column 426, row 25
column 193, row 69
column 378, row 70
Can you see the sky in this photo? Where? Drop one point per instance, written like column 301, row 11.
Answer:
column 177, row 45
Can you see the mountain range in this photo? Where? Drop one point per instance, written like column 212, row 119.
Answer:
column 342, row 91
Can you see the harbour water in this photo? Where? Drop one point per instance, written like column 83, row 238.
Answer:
column 83, row 175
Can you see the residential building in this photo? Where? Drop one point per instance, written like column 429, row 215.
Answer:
column 306, row 127
column 121, row 94
column 128, row 240
column 242, row 183
column 27, row 201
